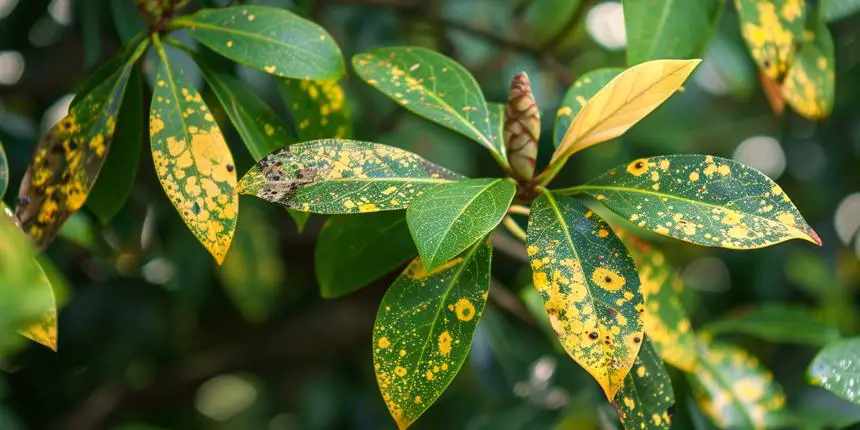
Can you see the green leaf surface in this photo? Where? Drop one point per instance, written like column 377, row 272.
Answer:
column 669, row 29
column 589, row 286
column 450, row 218
column 772, row 30
column 44, row 330
column 355, row 250
column 701, row 199
column 810, row 85
column 319, row 108
column 837, row 369
column 120, row 60
column 777, row 323
column 834, row 10
column 342, row 176
column 273, row 40
column 4, row 171
column 127, row 20
column 424, row 327
column 646, row 397
column 577, row 95
column 433, row 86
column 116, row 178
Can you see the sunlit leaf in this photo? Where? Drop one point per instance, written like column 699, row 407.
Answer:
column 319, row 108
column 834, row 10
column 434, row 87
column 348, row 252
column 837, row 368
column 589, row 286
column 777, row 323
column 701, row 199
column 342, row 176
column 809, row 86
column 271, row 39
column 574, row 99
column 424, row 327
column 772, row 30
column 623, row 102
column 44, row 331
column 446, row 220
column 733, row 388
column 192, row 160
column 670, row 29
column 646, row 397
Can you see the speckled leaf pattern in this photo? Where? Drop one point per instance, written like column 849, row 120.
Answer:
column 4, row 171
column 809, row 86
column 192, row 161
column 623, row 102
column 67, row 161
column 434, row 87
column 671, row 29
column 733, row 388
column 666, row 321
column 446, row 220
column 319, row 108
column 273, row 40
column 776, row 322
column 589, row 286
column 342, row 176
column 574, row 99
column 44, row 331
column 837, row 369
column 424, row 329
column 647, row 395
column 772, row 30
column 701, row 199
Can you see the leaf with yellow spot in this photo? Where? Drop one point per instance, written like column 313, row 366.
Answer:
column 343, row 176
column 646, row 397
column 448, row 219
column 589, row 286
column 435, row 87
column 424, row 328
column 772, row 30
column 319, row 108
column 809, row 86
column 44, row 331
column 577, row 95
column 701, row 199
column 623, row 102
column 270, row 39
column 192, row 160
column 734, row 389
column 67, row 161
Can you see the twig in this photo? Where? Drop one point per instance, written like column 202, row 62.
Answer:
column 519, row 210
column 509, row 302
column 515, row 228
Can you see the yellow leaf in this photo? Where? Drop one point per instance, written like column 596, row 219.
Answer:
column 45, row 330
column 624, row 101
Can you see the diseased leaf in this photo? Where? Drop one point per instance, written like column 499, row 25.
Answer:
column 319, row 108
column 424, row 327
column 701, row 199
column 589, row 286
column 834, row 10
column 44, row 331
column 342, row 176
column 623, row 102
column 670, row 29
column 772, row 30
column 120, row 60
column 837, row 369
column 4, row 172
column 271, row 39
column 809, row 86
column 577, row 95
column 192, row 161
column 777, row 323
column 646, row 397
column 355, row 250
column 733, row 388
column 449, row 218
column 434, row 87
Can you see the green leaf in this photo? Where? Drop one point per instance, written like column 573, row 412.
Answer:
column 772, row 30
column 647, row 395
column 116, row 178
column 127, row 20
column 4, row 172
column 497, row 124
column 120, row 60
column 589, row 286
column 449, row 218
column 348, row 253
column 834, row 10
column 777, row 323
column 734, row 390
column 582, row 90
column 319, row 108
column 809, row 86
column 44, row 331
column 192, row 160
column 671, row 29
column 701, row 199
column 424, row 327
column 837, row 369
column 273, row 40
column 435, row 87
column 342, row 176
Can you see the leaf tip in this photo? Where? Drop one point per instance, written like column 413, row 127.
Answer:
column 813, row 237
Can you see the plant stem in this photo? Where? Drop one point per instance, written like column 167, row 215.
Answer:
column 159, row 47
column 519, row 210
column 514, row 228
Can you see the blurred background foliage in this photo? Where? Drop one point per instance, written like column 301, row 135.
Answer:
column 153, row 335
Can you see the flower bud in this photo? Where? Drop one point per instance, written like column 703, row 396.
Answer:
column 522, row 127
